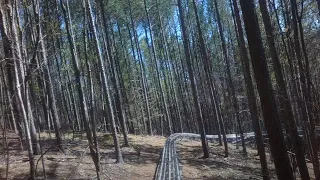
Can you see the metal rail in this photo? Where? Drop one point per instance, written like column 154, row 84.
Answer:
column 168, row 167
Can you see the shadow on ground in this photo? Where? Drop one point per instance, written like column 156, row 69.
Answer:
column 217, row 167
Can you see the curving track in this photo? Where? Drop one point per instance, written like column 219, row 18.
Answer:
column 168, row 167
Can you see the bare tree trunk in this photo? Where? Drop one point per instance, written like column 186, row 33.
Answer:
column 155, row 59
column 284, row 103
column 204, row 142
column 105, row 84
column 47, row 76
column 269, row 108
column 26, row 125
column 128, row 70
column 229, row 78
column 84, row 109
column 61, row 85
column 182, row 88
column 10, row 101
column 305, row 100
column 149, row 124
column 93, row 119
column 250, row 93
column 134, row 84
column 115, row 78
column 8, row 46
column 209, row 76
column 119, row 103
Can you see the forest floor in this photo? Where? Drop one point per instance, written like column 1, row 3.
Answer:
column 140, row 160
column 217, row 166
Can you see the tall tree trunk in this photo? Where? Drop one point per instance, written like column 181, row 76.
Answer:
column 92, row 104
column 229, row 78
column 250, row 93
column 6, row 27
column 26, row 125
column 308, row 95
column 149, row 125
column 105, row 84
column 204, row 142
column 80, row 87
column 288, row 117
column 269, row 107
column 135, row 79
column 165, row 50
column 69, row 90
column 47, row 76
column 115, row 78
column 128, row 71
column 20, row 54
column 303, row 74
column 155, row 59
column 117, row 74
column 207, row 67
column 13, row 118
column 62, row 86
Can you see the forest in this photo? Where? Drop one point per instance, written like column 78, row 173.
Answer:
column 160, row 89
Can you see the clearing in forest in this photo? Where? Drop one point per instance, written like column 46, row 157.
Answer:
column 140, row 160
